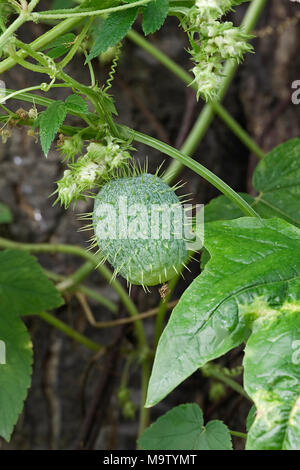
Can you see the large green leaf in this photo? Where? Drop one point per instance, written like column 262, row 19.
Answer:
column 252, row 264
column 24, row 288
column 15, row 370
column 182, row 429
column 277, row 179
column 272, row 377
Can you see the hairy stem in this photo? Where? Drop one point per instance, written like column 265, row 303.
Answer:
column 42, row 41
column 22, row 18
column 60, row 14
column 76, row 44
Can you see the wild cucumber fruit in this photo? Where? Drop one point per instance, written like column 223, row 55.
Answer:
column 136, row 221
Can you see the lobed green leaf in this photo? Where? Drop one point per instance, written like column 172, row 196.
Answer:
column 24, row 288
column 15, row 370
column 276, row 178
column 182, row 428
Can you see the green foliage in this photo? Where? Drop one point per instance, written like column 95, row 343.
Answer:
column 182, row 428
column 53, row 117
column 272, row 376
column 277, row 179
column 212, row 42
column 24, row 288
column 76, row 103
column 117, row 25
column 101, row 4
column 249, row 290
column 251, row 417
column 5, row 214
column 5, row 11
column 60, row 46
column 16, row 372
column 50, row 121
column 222, row 208
column 154, row 16
column 58, row 4
column 253, row 263
column 113, row 30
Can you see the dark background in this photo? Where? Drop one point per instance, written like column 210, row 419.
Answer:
column 149, row 99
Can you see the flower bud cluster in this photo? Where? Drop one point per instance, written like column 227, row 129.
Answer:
column 90, row 170
column 213, row 42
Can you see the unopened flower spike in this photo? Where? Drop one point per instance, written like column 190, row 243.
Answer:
column 213, row 9
column 213, row 42
column 91, row 170
column 69, row 147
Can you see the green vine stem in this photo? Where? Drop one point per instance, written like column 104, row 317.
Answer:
column 207, row 114
column 95, row 260
column 188, row 80
column 61, row 14
column 42, row 41
column 22, row 18
column 144, row 412
column 76, row 278
column 195, row 166
column 171, row 152
column 167, row 150
column 129, row 305
column 163, row 307
column 213, row 370
column 238, row 434
column 78, row 337
column 69, row 56
column 91, row 293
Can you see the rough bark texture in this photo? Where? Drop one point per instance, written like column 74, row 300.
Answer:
column 150, row 99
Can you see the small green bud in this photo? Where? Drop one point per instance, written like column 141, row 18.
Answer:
column 217, row 391
column 129, row 410
column 70, row 146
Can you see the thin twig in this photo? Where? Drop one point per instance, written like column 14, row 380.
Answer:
column 120, row 321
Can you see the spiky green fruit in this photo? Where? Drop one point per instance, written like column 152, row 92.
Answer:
column 139, row 228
